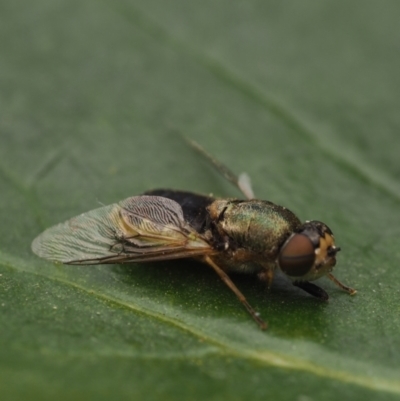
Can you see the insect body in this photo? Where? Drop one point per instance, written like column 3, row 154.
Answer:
column 249, row 236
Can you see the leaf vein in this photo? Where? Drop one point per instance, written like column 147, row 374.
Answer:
column 349, row 160
column 230, row 349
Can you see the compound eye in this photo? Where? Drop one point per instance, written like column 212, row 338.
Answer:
column 297, row 256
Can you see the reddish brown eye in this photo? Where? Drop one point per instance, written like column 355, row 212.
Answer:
column 297, row 256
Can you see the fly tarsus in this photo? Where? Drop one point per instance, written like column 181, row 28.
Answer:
column 350, row 290
column 225, row 278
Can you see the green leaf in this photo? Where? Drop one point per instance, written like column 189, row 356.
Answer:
column 303, row 96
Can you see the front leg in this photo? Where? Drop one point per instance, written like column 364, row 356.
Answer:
column 267, row 276
column 312, row 289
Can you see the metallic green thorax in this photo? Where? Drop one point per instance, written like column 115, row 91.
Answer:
column 256, row 225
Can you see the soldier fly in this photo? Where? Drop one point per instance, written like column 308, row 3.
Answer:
column 230, row 235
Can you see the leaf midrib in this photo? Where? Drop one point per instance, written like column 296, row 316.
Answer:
column 351, row 161
column 232, row 348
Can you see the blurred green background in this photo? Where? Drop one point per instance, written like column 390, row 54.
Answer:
column 304, row 96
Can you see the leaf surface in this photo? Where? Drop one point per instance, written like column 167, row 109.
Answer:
column 303, row 96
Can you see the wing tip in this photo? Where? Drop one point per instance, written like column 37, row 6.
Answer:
column 36, row 245
column 39, row 249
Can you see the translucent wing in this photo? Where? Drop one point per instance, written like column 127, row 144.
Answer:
column 242, row 182
column 141, row 228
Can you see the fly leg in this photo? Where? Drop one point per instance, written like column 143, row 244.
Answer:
column 225, row 278
column 267, row 276
column 350, row 290
column 120, row 242
column 312, row 289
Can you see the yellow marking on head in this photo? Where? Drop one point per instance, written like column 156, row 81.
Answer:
column 321, row 252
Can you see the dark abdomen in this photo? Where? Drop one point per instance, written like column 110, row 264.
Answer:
column 194, row 206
